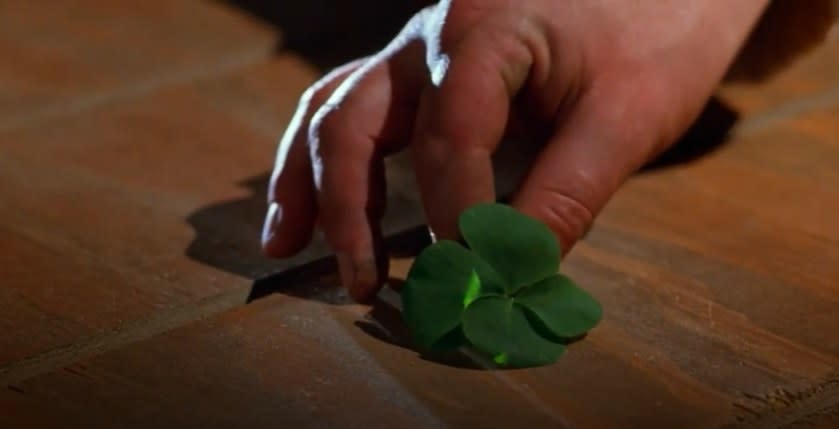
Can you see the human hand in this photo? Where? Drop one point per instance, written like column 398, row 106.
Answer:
column 613, row 82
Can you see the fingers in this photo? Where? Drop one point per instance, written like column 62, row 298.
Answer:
column 590, row 155
column 292, row 210
column 462, row 118
column 329, row 165
column 371, row 113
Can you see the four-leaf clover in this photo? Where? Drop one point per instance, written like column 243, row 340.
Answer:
column 502, row 295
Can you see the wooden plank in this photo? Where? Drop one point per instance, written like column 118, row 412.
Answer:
column 301, row 358
column 756, row 221
column 48, row 297
column 103, row 227
column 67, row 56
column 282, row 361
column 709, row 320
column 145, row 223
column 16, row 407
column 808, row 83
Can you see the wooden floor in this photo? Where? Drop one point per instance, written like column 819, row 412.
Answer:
column 135, row 143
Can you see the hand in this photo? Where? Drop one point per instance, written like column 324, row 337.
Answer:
column 614, row 82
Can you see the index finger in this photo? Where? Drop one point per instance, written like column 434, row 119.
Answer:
column 461, row 121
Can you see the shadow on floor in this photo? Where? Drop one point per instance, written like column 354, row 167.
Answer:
column 298, row 279
column 384, row 322
column 227, row 238
column 227, row 233
column 708, row 133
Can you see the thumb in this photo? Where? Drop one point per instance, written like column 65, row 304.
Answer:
column 589, row 156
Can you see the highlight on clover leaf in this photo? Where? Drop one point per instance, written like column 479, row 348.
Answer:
column 502, row 295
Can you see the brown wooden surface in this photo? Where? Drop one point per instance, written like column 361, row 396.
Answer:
column 67, row 56
column 135, row 143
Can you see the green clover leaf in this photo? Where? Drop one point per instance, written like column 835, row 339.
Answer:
column 497, row 326
column 521, row 249
column 443, row 280
column 565, row 310
column 502, row 296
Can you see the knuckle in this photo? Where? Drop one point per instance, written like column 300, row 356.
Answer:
column 315, row 96
column 325, row 127
column 314, row 108
column 565, row 214
column 329, row 123
column 326, row 122
column 321, row 92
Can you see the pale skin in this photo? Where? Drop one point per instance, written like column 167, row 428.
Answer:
column 614, row 82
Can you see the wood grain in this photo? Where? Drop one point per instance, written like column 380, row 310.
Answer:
column 105, row 226
column 67, row 56
column 131, row 197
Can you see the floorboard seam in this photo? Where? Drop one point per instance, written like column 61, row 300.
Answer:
column 141, row 88
column 791, row 109
column 138, row 330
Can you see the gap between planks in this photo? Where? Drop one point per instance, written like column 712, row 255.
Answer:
column 791, row 109
column 159, row 323
column 79, row 105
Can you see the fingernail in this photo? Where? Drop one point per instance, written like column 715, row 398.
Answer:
column 365, row 280
column 271, row 219
column 346, row 270
column 359, row 276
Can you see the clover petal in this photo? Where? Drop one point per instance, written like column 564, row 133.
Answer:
column 565, row 310
column 519, row 248
column 498, row 327
column 444, row 278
